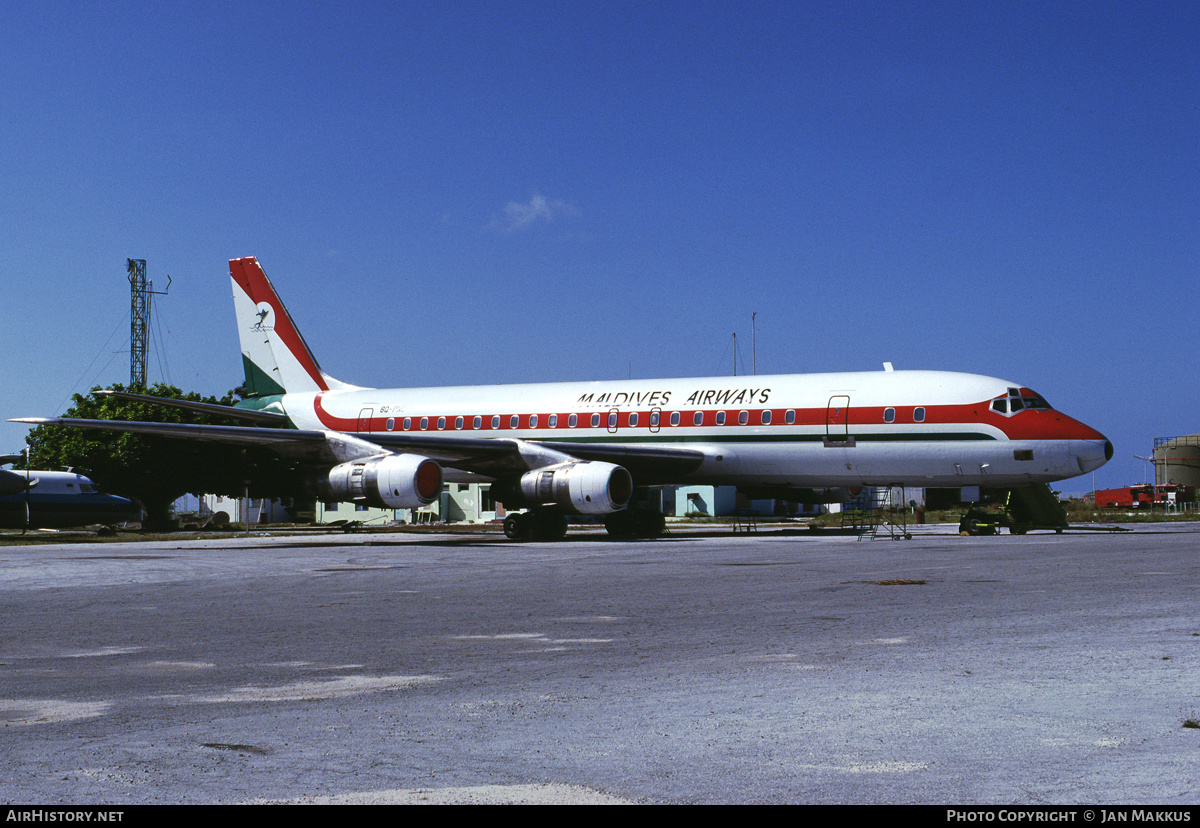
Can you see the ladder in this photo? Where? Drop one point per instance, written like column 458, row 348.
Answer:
column 880, row 517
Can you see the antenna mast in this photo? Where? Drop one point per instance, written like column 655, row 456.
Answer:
column 753, row 345
column 139, row 318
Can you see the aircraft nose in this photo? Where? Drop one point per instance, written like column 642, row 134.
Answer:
column 1092, row 454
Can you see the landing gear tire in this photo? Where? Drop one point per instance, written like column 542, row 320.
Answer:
column 540, row 526
column 549, row 526
column 638, row 523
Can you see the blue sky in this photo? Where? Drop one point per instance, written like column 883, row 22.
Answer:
column 480, row 192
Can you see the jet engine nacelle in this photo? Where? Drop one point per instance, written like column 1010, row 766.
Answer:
column 392, row 481
column 586, row 488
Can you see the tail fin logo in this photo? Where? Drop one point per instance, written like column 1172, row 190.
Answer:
column 266, row 318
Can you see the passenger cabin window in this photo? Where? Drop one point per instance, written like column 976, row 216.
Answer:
column 424, row 423
column 407, row 424
column 477, row 423
column 789, row 416
column 495, row 421
column 766, row 418
column 572, row 420
column 698, row 418
column 533, row 421
column 553, row 421
column 458, row 423
column 889, row 415
column 918, row 415
column 720, row 418
column 633, row 419
column 743, row 417
column 612, row 419
column 514, row 421
column 391, row 424
column 595, row 421
column 654, row 419
column 441, row 423
column 674, row 418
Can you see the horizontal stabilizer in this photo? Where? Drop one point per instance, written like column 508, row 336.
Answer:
column 269, row 418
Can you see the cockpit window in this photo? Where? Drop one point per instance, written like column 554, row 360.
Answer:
column 1019, row 399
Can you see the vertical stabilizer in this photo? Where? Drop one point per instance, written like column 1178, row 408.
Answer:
column 274, row 354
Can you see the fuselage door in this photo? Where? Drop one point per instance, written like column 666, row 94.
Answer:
column 614, row 417
column 837, row 418
column 364, row 420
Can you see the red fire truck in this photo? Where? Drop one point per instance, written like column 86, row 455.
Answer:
column 1144, row 497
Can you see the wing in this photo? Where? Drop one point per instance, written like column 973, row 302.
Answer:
column 290, row 443
column 493, row 456
column 490, row 457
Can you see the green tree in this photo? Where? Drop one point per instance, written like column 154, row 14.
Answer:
column 157, row 470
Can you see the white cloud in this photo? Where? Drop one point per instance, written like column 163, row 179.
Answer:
column 518, row 216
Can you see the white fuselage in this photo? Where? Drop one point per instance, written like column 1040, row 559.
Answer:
column 918, row 428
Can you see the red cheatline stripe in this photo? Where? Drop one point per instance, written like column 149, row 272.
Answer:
column 1029, row 425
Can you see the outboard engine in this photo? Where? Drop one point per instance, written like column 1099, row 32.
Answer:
column 584, row 488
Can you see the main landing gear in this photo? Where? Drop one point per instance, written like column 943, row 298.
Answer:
column 535, row 526
column 627, row 524
column 635, row 523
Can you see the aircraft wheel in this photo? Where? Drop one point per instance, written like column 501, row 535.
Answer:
column 639, row 523
column 542, row 526
column 618, row 525
column 514, row 527
column 549, row 526
column 650, row 524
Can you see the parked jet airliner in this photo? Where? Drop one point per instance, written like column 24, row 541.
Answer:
column 584, row 447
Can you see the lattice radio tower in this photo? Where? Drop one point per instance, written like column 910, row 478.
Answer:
column 140, row 290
